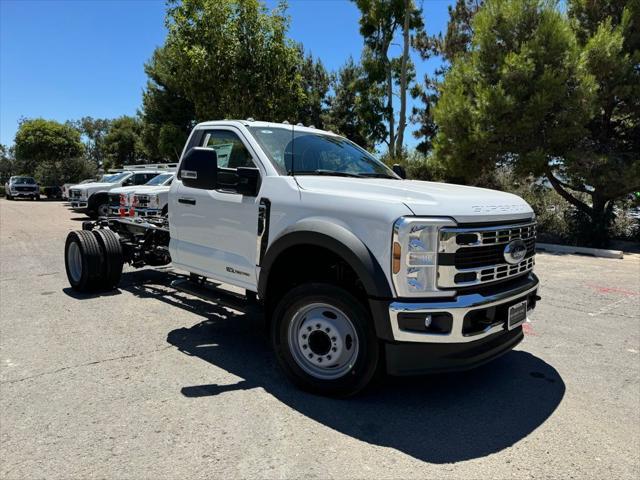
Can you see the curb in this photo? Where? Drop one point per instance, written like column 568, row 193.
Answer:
column 594, row 252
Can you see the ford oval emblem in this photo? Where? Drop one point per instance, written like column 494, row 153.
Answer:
column 515, row 251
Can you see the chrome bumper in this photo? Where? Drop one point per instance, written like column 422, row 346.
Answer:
column 77, row 204
column 458, row 308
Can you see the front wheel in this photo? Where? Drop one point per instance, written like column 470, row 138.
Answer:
column 324, row 340
column 101, row 210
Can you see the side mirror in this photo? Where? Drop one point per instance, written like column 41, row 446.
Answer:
column 399, row 170
column 199, row 169
column 248, row 179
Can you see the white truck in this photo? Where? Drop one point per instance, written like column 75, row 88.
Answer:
column 93, row 198
column 357, row 269
column 142, row 200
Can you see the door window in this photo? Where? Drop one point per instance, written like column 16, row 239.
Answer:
column 232, row 154
column 231, row 151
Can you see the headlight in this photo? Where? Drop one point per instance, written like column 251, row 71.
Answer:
column 153, row 201
column 414, row 256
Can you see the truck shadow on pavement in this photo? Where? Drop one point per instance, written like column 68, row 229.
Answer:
column 437, row 419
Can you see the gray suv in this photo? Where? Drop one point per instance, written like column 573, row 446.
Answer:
column 22, row 187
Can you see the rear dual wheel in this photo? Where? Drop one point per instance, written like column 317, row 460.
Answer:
column 93, row 260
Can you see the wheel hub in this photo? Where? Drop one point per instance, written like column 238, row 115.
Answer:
column 322, row 340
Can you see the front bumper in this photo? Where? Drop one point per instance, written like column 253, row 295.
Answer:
column 474, row 328
column 31, row 193
column 79, row 204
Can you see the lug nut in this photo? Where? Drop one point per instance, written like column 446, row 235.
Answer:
column 327, row 329
column 311, row 355
column 317, row 325
column 304, row 347
column 334, row 349
column 319, row 359
column 328, row 357
column 333, row 339
column 304, row 336
column 308, row 329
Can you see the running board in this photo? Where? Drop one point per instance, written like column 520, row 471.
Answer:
column 210, row 293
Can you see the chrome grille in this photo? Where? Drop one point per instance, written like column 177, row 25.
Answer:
column 74, row 193
column 141, row 200
column 114, row 200
column 475, row 255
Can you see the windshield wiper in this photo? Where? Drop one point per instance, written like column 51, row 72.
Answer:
column 328, row 172
column 377, row 175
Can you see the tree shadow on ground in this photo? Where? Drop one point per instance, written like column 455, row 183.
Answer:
column 438, row 419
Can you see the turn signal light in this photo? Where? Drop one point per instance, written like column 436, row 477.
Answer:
column 397, row 255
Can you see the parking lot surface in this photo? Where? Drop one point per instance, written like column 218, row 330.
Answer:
column 147, row 382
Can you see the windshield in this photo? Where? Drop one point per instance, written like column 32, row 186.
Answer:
column 23, row 180
column 317, row 154
column 114, row 177
column 160, row 179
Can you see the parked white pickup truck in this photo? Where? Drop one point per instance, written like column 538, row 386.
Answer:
column 356, row 268
column 134, row 200
column 93, row 198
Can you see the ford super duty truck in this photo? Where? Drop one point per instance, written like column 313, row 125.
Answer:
column 358, row 270
column 93, row 198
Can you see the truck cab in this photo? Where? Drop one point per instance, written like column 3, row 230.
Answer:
column 357, row 269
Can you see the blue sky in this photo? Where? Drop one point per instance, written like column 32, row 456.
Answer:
column 65, row 59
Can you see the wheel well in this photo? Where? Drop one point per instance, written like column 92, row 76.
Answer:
column 96, row 198
column 306, row 263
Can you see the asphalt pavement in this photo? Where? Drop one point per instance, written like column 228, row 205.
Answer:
column 146, row 382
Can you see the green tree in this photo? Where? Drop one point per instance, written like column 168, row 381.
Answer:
column 165, row 109
column 39, row 140
column 7, row 165
column 380, row 22
column 351, row 108
column 456, row 41
column 122, row 143
column 93, row 131
column 315, row 85
column 231, row 59
column 526, row 96
column 69, row 170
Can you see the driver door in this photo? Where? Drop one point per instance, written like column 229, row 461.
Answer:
column 214, row 232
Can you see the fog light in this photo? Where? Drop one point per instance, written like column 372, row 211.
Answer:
column 427, row 321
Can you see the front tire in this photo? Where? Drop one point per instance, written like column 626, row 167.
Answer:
column 324, row 340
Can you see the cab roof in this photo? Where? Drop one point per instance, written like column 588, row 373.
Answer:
column 255, row 123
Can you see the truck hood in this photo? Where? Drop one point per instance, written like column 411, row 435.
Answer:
column 130, row 189
column 151, row 189
column 95, row 186
column 464, row 204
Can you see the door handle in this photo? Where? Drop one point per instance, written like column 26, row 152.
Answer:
column 187, row 201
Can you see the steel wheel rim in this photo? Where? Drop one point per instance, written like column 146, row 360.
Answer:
column 323, row 341
column 103, row 210
column 74, row 260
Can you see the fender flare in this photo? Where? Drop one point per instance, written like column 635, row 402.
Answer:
column 337, row 239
